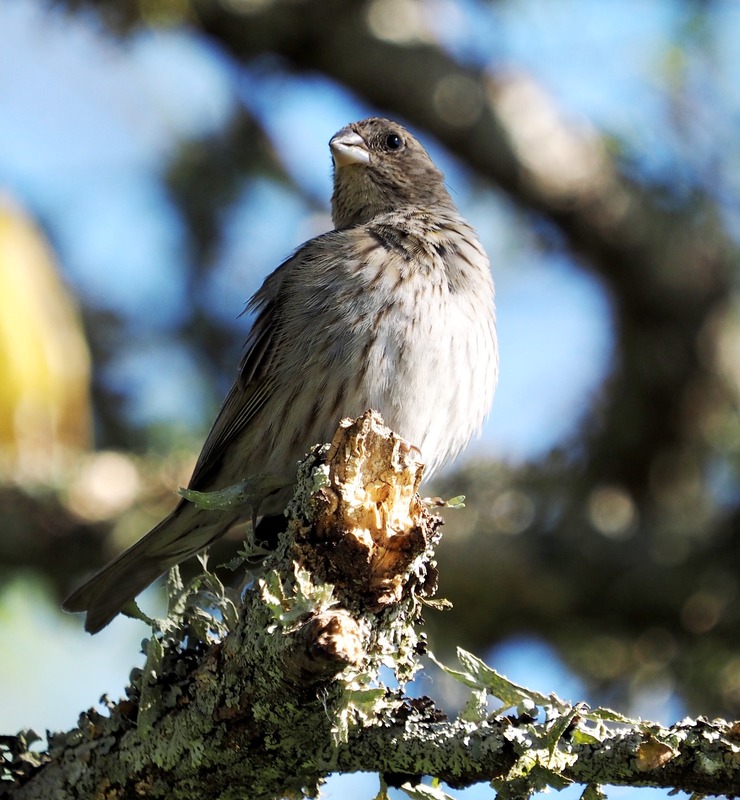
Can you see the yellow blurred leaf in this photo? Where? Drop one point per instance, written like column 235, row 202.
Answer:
column 44, row 359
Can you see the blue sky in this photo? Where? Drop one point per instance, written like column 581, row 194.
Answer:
column 87, row 125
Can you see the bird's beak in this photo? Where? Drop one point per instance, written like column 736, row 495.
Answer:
column 348, row 148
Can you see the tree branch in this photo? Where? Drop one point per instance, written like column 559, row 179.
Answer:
column 278, row 694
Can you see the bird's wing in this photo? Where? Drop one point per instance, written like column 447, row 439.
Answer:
column 256, row 382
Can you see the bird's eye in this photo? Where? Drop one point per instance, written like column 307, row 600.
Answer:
column 393, row 141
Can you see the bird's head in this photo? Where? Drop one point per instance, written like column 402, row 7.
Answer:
column 380, row 167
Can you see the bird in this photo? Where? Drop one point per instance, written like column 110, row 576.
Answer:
column 392, row 310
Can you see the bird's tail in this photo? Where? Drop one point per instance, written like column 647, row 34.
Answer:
column 186, row 531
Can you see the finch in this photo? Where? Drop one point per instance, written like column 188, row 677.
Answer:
column 392, row 310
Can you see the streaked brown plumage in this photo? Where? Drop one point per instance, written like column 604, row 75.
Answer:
column 392, row 310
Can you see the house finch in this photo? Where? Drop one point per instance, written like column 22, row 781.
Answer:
column 392, row 310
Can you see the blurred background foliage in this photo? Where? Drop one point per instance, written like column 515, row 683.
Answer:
column 159, row 159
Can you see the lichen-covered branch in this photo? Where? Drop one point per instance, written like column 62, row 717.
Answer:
column 520, row 758
column 260, row 697
column 266, row 698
